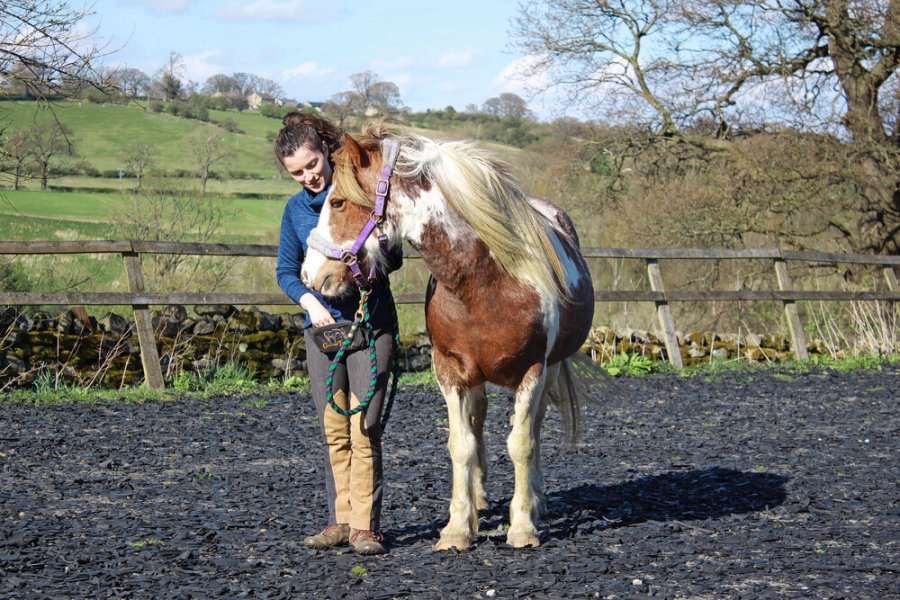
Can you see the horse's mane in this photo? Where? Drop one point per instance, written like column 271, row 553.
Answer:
column 481, row 189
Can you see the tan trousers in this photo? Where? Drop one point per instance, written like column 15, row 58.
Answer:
column 353, row 465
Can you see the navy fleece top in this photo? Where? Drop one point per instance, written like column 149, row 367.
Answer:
column 301, row 214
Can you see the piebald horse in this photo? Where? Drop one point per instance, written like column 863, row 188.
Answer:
column 510, row 299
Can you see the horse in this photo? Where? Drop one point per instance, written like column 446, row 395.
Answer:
column 510, row 300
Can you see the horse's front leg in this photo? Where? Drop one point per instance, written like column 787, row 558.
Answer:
column 523, row 450
column 462, row 412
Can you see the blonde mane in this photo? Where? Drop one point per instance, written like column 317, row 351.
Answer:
column 482, row 190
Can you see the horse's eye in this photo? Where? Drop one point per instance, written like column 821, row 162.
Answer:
column 337, row 203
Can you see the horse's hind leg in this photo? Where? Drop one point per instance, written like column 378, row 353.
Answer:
column 463, row 444
column 477, row 417
column 537, row 475
column 523, row 449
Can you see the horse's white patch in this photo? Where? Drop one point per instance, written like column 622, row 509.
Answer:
column 545, row 208
column 315, row 260
column 522, row 446
column 463, row 446
column 428, row 207
column 573, row 274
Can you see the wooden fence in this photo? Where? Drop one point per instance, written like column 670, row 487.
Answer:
column 140, row 299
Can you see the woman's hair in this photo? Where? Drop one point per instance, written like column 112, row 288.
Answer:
column 306, row 129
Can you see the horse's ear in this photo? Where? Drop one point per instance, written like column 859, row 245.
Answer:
column 359, row 156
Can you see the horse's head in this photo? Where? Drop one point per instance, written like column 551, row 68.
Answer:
column 353, row 232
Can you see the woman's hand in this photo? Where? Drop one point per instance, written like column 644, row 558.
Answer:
column 318, row 314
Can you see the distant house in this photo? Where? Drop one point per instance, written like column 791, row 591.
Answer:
column 255, row 100
column 310, row 106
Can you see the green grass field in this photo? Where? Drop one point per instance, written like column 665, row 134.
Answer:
column 34, row 215
column 101, row 131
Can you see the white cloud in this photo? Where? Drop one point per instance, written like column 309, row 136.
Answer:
column 306, row 70
column 448, row 61
column 281, row 10
column 400, row 79
column 522, row 76
column 526, row 78
column 202, row 66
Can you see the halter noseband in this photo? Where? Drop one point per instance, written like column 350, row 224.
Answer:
column 390, row 150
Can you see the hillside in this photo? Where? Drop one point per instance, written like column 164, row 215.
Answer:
column 101, row 131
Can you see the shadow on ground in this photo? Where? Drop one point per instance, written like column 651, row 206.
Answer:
column 695, row 495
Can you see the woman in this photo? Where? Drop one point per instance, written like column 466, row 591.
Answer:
column 353, row 465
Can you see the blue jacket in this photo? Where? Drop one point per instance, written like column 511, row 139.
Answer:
column 301, row 214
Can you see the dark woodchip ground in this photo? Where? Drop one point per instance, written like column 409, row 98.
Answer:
column 764, row 485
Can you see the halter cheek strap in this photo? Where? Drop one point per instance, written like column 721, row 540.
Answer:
column 390, row 150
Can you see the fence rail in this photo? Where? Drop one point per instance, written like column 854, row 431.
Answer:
column 140, row 300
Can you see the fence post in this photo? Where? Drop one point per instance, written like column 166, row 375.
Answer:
column 891, row 278
column 664, row 313
column 149, row 353
column 798, row 338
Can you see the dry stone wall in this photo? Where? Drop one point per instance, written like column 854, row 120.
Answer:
column 696, row 347
column 83, row 349
column 86, row 350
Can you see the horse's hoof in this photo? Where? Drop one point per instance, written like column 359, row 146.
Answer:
column 460, row 542
column 522, row 540
column 482, row 503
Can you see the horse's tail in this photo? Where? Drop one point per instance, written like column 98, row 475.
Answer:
column 578, row 376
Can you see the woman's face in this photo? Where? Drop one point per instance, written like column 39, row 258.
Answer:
column 310, row 168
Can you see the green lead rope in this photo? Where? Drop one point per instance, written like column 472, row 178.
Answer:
column 395, row 371
column 362, row 319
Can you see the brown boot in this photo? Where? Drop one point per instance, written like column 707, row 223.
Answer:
column 335, row 534
column 367, row 542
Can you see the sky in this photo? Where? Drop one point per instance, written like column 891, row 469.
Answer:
column 447, row 53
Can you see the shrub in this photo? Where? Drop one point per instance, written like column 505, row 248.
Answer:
column 14, row 277
column 633, row 365
column 230, row 125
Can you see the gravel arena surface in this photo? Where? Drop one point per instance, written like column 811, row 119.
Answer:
column 768, row 484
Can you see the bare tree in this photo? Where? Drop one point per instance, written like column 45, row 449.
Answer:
column 372, row 93
column 267, row 87
column 221, row 84
column 507, row 105
column 16, row 155
column 361, row 84
column 342, row 106
column 42, row 47
column 166, row 210
column 385, row 97
column 169, row 76
column 208, row 148
column 737, row 65
column 138, row 157
column 47, row 142
column 245, row 82
column 133, row 82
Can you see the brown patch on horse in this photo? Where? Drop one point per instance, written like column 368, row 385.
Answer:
column 472, row 340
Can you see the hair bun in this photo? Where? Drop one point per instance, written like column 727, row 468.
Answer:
column 294, row 118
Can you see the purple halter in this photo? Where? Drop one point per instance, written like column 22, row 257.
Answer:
column 390, row 150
